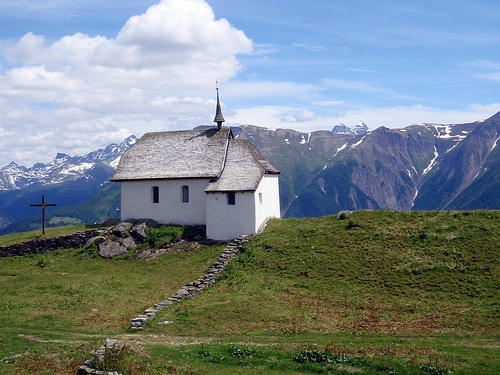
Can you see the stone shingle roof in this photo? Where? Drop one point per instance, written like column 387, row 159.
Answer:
column 175, row 154
column 243, row 170
column 231, row 164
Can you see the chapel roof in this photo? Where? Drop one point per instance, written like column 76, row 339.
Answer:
column 244, row 168
column 231, row 164
column 175, row 154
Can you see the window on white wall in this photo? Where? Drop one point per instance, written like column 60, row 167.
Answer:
column 155, row 194
column 231, row 198
column 185, row 194
column 260, row 198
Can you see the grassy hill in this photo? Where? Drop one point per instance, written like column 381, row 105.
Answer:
column 377, row 293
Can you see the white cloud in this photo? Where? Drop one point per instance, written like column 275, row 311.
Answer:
column 268, row 89
column 490, row 76
column 360, row 86
column 489, row 70
column 92, row 90
column 156, row 71
column 302, row 116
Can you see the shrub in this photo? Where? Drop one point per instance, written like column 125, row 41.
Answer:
column 319, row 356
column 351, row 224
column 436, row 370
column 240, row 351
column 162, row 236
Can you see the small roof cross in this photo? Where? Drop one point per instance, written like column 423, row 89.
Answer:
column 43, row 205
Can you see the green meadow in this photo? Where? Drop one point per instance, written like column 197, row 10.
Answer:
column 378, row 292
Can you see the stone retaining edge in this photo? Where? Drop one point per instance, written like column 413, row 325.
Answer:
column 188, row 291
column 195, row 287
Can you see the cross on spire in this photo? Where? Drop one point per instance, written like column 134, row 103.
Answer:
column 219, row 119
column 43, row 205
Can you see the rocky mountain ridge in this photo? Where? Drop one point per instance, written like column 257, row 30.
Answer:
column 425, row 167
column 63, row 168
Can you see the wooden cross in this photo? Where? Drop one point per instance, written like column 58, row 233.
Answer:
column 43, row 205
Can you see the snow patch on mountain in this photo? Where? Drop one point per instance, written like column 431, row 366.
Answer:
column 340, row 149
column 414, row 198
column 494, row 144
column 357, row 143
column 304, row 140
column 63, row 168
column 452, row 147
column 445, row 131
column 431, row 164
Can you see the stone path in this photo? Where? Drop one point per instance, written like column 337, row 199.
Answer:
column 188, row 291
column 193, row 288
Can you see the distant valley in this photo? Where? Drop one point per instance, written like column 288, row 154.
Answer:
column 419, row 167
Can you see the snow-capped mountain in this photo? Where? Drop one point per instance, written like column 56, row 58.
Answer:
column 360, row 129
column 63, row 168
column 418, row 167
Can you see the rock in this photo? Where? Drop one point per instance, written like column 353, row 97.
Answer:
column 182, row 293
column 149, row 222
column 139, row 232
column 94, row 241
column 111, row 222
column 110, row 249
column 128, row 242
column 344, row 214
column 99, row 356
column 122, row 229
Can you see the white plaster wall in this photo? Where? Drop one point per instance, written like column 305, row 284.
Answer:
column 137, row 201
column 270, row 206
column 225, row 222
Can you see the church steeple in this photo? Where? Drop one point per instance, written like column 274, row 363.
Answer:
column 219, row 119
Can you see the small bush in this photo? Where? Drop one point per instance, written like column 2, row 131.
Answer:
column 351, row 224
column 90, row 252
column 436, row 370
column 43, row 262
column 162, row 236
column 240, row 351
column 319, row 356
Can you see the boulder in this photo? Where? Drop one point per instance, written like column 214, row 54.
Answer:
column 110, row 249
column 128, row 242
column 139, row 232
column 111, row 222
column 94, row 241
column 122, row 229
column 150, row 223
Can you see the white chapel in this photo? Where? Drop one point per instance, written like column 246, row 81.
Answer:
column 199, row 177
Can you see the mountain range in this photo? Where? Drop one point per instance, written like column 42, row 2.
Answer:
column 418, row 167
column 68, row 181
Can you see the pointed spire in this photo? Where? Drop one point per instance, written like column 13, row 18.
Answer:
column 219, row 119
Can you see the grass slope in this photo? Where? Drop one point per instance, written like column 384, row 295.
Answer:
column 377, row 293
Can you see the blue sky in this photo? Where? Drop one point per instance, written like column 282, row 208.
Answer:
column 78, row 75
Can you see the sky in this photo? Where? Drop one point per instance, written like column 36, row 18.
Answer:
column 76, row 76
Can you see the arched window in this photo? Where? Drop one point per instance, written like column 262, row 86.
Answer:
column 185, row 194
column 155, row 194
